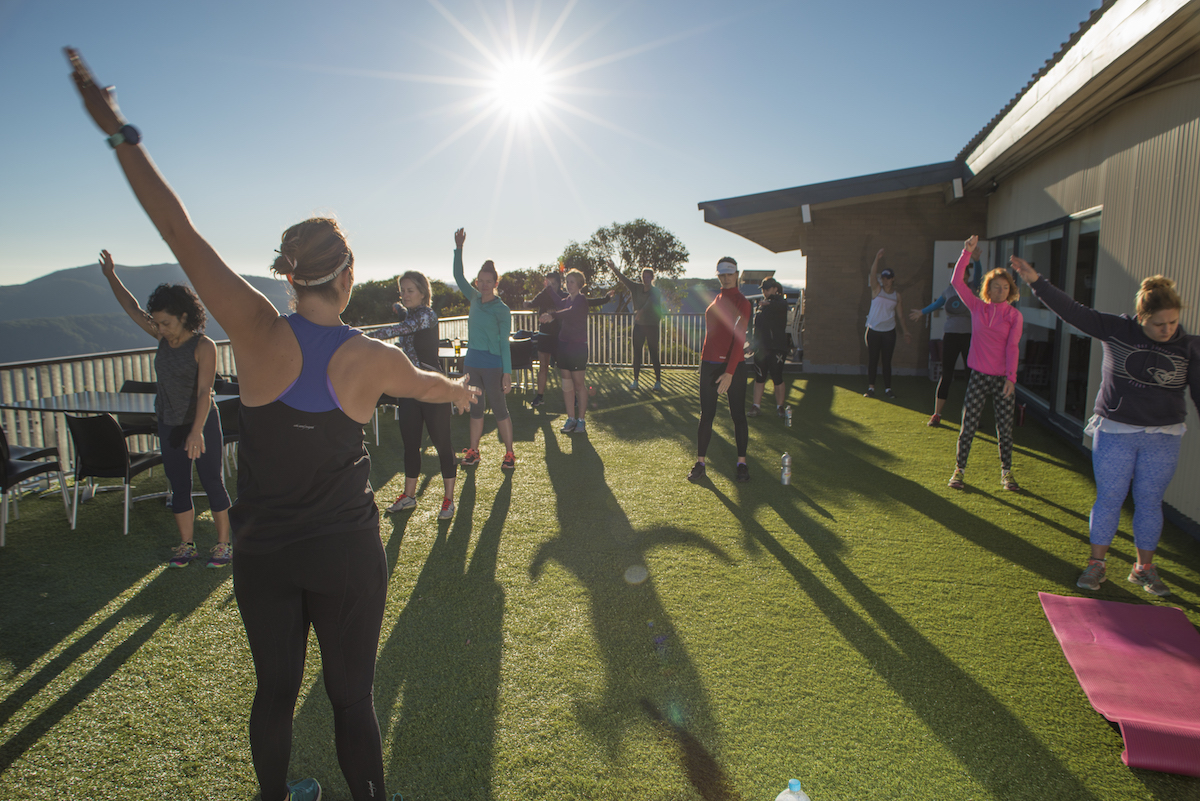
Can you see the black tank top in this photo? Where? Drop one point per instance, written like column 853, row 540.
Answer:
column 302, row 474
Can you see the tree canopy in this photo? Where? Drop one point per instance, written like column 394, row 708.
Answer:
column 636, row 246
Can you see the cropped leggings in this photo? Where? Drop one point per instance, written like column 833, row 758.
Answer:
column 880, row 346
column 1145, row 461
column 178, row 467
column 415, row 415
column 979, row 387
column 953, row 345
column 489, row 379
column 337, row 584
column 710, row 372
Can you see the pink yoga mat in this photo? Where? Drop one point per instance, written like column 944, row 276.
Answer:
column 1140, row 667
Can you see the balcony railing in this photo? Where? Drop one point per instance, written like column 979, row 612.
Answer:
column 610, row 342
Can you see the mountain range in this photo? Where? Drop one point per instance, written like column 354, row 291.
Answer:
column 73, row 311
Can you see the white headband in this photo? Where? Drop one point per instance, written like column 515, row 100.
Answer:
column 326, row 279
column 726, row 268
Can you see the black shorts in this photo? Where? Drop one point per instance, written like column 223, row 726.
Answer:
column 769, row 364
column 547, row 343
column 572, row 356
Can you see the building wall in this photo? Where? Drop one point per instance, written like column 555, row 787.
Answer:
column 840, row 244
column 1141, row 163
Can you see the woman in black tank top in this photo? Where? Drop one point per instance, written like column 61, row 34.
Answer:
column 324, row 569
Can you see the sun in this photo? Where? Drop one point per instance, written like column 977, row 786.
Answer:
column 520, row 88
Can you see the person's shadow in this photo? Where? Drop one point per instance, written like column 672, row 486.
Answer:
column 647, row 670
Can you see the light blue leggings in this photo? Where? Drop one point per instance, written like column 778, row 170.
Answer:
column 1147, row 461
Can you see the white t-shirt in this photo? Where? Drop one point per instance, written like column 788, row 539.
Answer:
column 882, row 316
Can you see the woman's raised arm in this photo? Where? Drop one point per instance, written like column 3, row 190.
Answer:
column 240, row 309
column 125, row 297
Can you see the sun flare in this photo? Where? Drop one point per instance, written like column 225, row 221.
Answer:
column 520, row 88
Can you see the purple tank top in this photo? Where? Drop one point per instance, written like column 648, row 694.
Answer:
column 312, row 390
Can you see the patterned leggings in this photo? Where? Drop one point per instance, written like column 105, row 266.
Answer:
column 978, row 388
column 1147, row 461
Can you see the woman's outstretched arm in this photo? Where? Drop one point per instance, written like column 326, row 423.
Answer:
column 125, row 297
column 240, row 309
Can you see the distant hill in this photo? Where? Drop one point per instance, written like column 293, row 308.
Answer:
column 70, row 312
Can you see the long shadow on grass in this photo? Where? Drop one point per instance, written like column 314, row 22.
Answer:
column 166, row 597
column 439, row 668
column 988, row 740
column 643, row 655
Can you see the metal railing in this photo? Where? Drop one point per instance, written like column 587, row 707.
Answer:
column 610, row 342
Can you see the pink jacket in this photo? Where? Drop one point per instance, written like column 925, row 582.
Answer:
column 995, row 328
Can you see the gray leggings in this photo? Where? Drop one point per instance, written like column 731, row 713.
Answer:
column 489, row 379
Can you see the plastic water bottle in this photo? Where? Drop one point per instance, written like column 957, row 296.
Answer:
column 793, row 792
column 785, row 469
column 787, row 416
column 457, row 347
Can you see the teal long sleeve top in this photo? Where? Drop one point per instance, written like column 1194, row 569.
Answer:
column 488, row 325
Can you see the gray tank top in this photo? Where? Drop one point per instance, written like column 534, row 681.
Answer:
column 177, row 372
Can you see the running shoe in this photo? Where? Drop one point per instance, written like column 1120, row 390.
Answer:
column 956, row 480
column 634, row 387
column 697, row 473
column 870, row 393
column 537, row 401
column 1093, row 575
column 743, row 472
column 569, row 426
column 781, row 411
column 304, row 790
column 183, row 555
column 657, row 386
column 934, row 421
column 222, row 554
column 402, row 503
column 447, row 509
column 509, row 462
column 580, row 427
column 890, row 395
column 1010, row 483
column 754, row 411
column 1147, row 576
column 470, row 457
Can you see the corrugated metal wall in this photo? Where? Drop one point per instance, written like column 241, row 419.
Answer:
column 1141, row 163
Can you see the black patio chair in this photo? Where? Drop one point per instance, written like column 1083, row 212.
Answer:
column 14, row 471
column 101, row 452
column 137, row 424
column 231, row 421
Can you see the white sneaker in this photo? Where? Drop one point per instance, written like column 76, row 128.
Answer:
column 402, row 503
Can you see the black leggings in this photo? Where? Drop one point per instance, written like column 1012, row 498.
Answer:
column 880, row 343
column 646, row 335
column 436, row 418
column 710, row 372
column 178, row 466
column 337, row 584
column 952, row 346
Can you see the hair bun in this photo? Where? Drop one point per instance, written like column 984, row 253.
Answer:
column 1157, row 282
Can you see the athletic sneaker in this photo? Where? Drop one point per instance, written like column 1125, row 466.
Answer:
column 1093, row 575
column 222, row 554
column 580, row 427
column 402, row 503
column 447, row 509
column 781, row 411
column 697, row 473
column 754, row 411
column 934, row 421
column 870, row 393
column 1147, row 576
column 509, row 462
column 183, row 555
column 743, row 472
column 569, row 426
column 890, row 395
column 537, row 401
column 657, row 386
column 304, row 790
column 1010, row 483
column 470, row 457
column 956, row 480
column 634, row 387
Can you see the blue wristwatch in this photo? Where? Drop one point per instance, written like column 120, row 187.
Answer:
column 127, row 133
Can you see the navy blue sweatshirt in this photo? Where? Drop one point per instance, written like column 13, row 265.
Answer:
column 1142, row 382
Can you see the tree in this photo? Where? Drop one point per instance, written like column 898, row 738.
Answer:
column 517, row 287
column 636, row 246
column 371, row 303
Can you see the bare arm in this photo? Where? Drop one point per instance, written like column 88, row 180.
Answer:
column 125, row 297
column 900, row 318
column 206, row 364
column 241, row 310
column 873, row 278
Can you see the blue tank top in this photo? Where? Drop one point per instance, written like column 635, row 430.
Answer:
column 303, row 469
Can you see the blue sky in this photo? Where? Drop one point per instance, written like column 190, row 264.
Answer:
column 385, row 114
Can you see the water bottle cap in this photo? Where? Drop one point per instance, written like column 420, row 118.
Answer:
column 794, row 785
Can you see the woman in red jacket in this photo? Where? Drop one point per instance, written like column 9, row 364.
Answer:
column 722, row 368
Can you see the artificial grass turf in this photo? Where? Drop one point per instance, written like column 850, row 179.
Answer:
column 866, row 629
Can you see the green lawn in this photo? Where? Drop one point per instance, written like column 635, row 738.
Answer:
column 867, row 629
